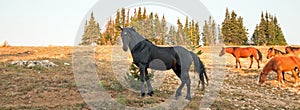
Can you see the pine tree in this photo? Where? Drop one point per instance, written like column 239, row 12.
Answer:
column 196, row 35
column 123, row 18
column 209, row 31
column 233, row 31
column 116, row 26
column 171, row 36
column 127, row 18
column 108, row 34
column 241, row 33
column 139, row 15
column 164, row 30
column 268, row 32
column 179, row 39
column 226, row 28
column 91, row 32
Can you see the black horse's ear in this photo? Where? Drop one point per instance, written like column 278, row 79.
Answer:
column 133, row 28
column 120, row 28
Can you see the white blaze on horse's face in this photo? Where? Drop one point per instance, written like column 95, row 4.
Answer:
column 125, row 40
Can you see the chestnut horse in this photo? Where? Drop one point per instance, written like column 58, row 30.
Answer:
column 274, row 52
column 239, row 52
column 280, row 64
column 293, row 50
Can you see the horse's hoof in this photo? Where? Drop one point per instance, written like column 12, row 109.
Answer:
column 188, row 97
column 177, row 94
column 143, row 94
column 150, row 93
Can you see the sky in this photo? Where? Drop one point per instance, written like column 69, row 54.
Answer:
column 56, row 22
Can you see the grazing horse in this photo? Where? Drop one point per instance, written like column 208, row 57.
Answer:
column 272, row 52
column 177, row 58
column 246, row 52
column 280, row 64
column 293, row 50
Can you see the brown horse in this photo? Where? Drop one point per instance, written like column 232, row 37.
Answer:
column 292, row 50
column 280, row 64
column 274, row 52
column 246, row 52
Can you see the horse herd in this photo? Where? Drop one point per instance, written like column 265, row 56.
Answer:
column 282, row 61
column 147, row 55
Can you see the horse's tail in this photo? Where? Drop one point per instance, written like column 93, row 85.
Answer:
column 200, row 69
column 259, row 55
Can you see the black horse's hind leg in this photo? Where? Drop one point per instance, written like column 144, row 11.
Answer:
column 150, row 89
column 185, row 79
column 188, row 85
column 179, row 89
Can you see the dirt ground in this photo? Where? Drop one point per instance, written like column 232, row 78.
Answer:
column 65, row 87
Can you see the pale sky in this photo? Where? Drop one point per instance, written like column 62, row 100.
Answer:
column 56, row 22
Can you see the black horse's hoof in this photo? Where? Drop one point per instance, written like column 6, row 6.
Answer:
column 188, row 97
column 143, row 94
column 150, row 93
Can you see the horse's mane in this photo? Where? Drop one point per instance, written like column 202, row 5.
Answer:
column 277, row 51
column 293, row 48
column 234, row 48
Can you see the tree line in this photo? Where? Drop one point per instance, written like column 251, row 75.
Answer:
column 153, row 27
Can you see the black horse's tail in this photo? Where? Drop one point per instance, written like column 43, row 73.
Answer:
column 200, row 69
column 260, row 55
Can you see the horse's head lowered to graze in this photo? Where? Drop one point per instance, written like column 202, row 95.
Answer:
column 222, row 52
column 262, row 77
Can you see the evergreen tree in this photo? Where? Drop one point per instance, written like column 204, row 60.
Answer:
column 171, row 36
column 116, row 26
column 209, row 30
column 123, row 18
column 108, row 34
column 164, row 30
column 268, row 32
column 179, row 37
column 241, row 32
column 233, row 31
column 226, row 28
column 127, row 18
column 91, row 32
column 196, row 35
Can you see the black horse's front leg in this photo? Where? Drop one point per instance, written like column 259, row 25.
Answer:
column 142, row 78
column 150, row 89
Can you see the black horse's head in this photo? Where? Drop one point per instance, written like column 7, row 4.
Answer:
column 130, row 37
column 126, row 37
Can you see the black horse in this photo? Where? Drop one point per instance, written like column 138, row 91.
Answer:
column 147, row 55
